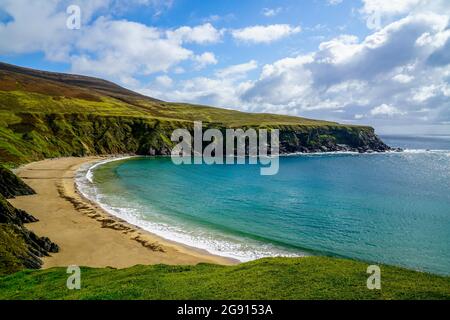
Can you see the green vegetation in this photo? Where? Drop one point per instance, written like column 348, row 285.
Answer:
column 276, row 278
column 12, row 249
column 45, row 115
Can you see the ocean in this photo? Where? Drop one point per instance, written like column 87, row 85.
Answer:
column 391, row 208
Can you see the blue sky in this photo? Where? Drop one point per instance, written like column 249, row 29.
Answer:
column 382, row 63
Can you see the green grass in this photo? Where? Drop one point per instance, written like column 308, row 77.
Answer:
column 30, row 102
column 45, row 116
column 274, row 278
column 12, row 248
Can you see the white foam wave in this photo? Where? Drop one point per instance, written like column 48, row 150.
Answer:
column 334, row 153
column 420, row 151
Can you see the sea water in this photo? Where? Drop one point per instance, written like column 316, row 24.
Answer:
column 391, row 208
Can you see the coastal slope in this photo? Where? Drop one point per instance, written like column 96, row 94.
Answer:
column 47, row 115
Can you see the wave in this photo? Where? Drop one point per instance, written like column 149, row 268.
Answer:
column 353, row 153
column 89, row 173
column 420, row 151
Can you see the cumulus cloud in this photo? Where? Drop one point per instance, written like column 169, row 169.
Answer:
column 223, row 89
column 117, row 49
column 264, row 34
column 205, row 33
column 163, row 81
column 386, row 110
column 386, row 68
column 205, row 59
column 35, row 25
column 390, row 7
column 122, row 49
column 387, row 76
column 237, row 70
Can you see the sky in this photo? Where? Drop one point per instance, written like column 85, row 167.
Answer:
column 369, row 62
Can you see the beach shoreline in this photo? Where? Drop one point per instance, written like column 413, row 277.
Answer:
column 88, row 235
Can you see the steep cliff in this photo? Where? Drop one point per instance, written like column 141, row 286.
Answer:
column 44, row 114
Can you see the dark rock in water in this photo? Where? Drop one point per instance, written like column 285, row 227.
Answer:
column 12, row 186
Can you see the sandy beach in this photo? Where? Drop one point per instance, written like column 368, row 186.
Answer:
column 85, row 233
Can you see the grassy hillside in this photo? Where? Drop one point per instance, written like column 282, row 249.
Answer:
column 26, row 90
column 276, row 278
column 45, row 114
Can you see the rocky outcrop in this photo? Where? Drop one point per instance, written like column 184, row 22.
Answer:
column 12, row 186
column 19, row 247
column 11, row 215
column 56, row 135
column 331, row 139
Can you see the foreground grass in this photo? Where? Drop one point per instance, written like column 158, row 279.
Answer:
column 277, row 278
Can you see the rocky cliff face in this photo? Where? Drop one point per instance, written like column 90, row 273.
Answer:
column 331, row 139
column 45, row 114
column 40, row 136
column 11, row 186
column 19, row 247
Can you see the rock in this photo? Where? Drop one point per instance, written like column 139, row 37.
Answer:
column 11, row 185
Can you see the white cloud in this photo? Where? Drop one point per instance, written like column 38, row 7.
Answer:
column 223, row 89
column 237, row 70
column 118, row 48
column 264, row 34
column 390, row 7
column 202, row 34
column 381, row 79
column 386, row 110
column 385, row 69
column 403, row 78
column 205, row 59
column 36, row 25
column 424, row 93
column 163, row 81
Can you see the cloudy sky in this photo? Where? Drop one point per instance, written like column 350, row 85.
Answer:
column 377, row 62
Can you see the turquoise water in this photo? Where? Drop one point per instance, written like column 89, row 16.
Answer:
column 390, row 208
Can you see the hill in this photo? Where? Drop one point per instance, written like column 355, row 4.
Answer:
column 45, row 114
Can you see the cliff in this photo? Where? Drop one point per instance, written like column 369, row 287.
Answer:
column 44, row 114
